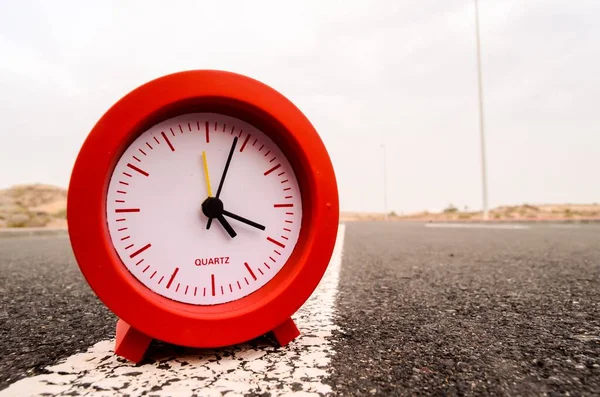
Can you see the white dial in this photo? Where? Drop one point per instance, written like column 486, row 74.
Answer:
column 156, row 219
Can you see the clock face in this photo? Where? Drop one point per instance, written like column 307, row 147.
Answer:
column 203, row 208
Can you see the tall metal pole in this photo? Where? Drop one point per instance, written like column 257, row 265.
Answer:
column 385, row 208
column 481, row 121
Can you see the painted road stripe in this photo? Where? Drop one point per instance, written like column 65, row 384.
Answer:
column 476, row 226
column 256, row 367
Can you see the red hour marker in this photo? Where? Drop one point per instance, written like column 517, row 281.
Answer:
column 168, row 141
column 250, row 270
column 212, row 276
column 244, row 144
column 272, row 169
column 283, row 205
column 207, row 140
column 144, row 248
column 133, row 167
column 118, row 210
column 275, row 242
column 172, row 277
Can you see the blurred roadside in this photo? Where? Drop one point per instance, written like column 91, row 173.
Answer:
column 41, row 209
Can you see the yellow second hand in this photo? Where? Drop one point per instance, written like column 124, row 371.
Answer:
column 206, row 174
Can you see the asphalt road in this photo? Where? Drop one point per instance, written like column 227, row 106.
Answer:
column 421, row 311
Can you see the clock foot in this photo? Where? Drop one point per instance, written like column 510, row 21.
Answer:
column 286, row 332
column 131, row 344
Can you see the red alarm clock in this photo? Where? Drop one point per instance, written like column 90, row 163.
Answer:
column 203, row 211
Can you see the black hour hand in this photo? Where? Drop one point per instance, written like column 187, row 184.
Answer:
column 244, row 220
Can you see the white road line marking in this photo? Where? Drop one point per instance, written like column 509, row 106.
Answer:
column 254, row 367
column 477, row 226
column 559, row 226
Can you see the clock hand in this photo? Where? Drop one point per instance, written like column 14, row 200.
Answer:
column 235, row 139
column 212, row 207
column 206, row 176
column 226, row 226
column 244, row 220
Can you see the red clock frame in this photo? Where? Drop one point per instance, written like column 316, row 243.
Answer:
column 145, row 315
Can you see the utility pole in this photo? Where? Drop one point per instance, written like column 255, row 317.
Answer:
column 385, row 208
column 481, row 121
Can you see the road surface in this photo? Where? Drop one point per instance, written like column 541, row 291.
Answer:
column 407, row 309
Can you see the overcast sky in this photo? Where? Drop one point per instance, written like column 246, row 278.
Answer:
column 365, row 73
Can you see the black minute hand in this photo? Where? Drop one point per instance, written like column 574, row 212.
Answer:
column 235, row 139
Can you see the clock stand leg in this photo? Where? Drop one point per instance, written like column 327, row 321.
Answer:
column 286, row 332
column 131, row 344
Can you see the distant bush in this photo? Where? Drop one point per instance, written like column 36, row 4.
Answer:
column 60, row 214
column 451, row 209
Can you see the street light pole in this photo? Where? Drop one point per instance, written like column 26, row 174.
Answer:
column 385, row 210
column 481, row 121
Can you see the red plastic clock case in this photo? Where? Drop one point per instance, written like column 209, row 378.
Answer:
column 145, row 315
